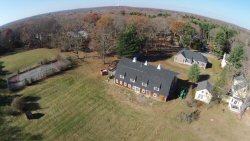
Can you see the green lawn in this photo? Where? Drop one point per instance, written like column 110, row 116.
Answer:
column 210, row 73
column 26, row 59
column 81, row 105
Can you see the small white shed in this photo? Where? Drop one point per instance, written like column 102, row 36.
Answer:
column 204, row 92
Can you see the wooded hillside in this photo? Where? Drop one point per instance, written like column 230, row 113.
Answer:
column 100, row 29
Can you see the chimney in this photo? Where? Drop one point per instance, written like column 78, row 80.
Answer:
column 134, row 59
column 146, row 63
column 159, row 67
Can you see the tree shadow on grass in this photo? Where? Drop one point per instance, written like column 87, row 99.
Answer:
column 204, row 77
column 5, row 100
column 32, row 106
column 14, row 133
column 209, row 65
column 153, row 56
column 160, row 54
column 31, row 103
column 3, row 84
column 179, row 86
column 31, row 115
column 31, row 98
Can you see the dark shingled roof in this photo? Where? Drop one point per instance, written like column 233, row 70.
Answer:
column 205, row 85
column 197, row 56
column 148, row 74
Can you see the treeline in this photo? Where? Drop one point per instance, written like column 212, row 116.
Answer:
column 9, row 40
column 106, row 32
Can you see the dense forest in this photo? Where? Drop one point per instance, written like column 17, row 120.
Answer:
column 125, row 31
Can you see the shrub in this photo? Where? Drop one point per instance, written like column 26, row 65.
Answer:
column 191, row 103
column 194, row 73
column 236, row 56
column 189, row 117
column 17, row 104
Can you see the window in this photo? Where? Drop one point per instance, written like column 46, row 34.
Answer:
column 137, row 89
column 235, row 102
column 133, row 87
column 200, row 96
column 121, row 82
column 116, row 81
column 235, row 107
column 129, row 85
column 143, row 91
column 156, row 89
column 155, row 95
column 125, row 84
column 122, row 76
column 132, row 80
column 144, row 84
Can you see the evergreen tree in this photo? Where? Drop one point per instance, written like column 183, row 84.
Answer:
column 188, row 34
column 194, row 73
column 220, row 41
column 129, row 43
column 236, row 56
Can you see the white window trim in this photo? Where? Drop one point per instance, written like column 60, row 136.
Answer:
column 129, row 85
column 143, row 91
column 144, row 84
column 156, row 88
column 132, row 80
column 200, row 96
column 155, row 95
column 121, row 76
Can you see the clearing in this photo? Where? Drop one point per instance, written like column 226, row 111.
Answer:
column 82, row 105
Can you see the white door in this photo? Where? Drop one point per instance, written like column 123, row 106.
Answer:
column 137, row 89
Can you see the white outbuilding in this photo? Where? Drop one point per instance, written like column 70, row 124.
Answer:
column 204, row 92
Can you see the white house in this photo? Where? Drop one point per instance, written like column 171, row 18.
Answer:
column 224, row 61
column 240, row 87
column 204, row 92
column 78, row 34
column 239, row 93
column 235, row 104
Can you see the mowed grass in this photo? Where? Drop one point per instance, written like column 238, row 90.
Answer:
column 22, row 60
column 81, row 105
column 210, row 73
